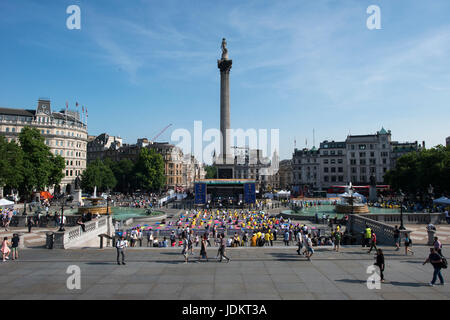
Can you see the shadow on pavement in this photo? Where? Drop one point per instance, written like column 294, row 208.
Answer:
column 408, row 284
column 352, row 281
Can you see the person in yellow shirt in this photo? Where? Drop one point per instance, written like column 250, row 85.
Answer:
column 267, row 238
column 271, row 238
column 253, row 240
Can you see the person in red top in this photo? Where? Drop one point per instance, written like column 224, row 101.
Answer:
column 373, row 242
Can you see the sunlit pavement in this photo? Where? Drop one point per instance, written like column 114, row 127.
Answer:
column 252, row 273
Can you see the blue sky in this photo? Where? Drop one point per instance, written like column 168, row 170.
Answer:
column 297, row 65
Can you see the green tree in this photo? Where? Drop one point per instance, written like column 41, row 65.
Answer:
column 40, row 168
column 11, row 158
column 99, row 175
column 211, row 172
column 415, row 171
column 149, row 171
column 123, row 172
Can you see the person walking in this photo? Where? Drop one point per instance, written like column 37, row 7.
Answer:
column 300, row 243
column 309, row 247
column 436, row 261
column 380, row 263
column 397, row 238
column 203, row 253
column 408, row 243
column 286, row 238
column 185, row 251
column 437, row 245
column 373, row 242
column 120, row 246
column 337, row 240
column 367, row 236
column 14, row 246
column 29, row 224
column 5, row 249
column 223, row 244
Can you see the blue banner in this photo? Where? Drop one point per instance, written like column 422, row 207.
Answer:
column 249, row 193
column 200, row 193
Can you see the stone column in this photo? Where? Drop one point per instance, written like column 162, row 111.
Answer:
column 225, row 66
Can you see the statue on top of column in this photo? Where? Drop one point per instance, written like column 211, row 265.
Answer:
column 224, row 50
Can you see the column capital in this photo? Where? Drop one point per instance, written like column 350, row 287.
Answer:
column 224, row 65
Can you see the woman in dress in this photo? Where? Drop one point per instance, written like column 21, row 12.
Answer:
column 5, row 249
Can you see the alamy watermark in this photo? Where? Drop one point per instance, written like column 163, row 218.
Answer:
column 374, row 280
column 241, row 145
column 374, row 20
column 74, row 20
column 74, row 280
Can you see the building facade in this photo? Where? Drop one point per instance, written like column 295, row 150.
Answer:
column 64, row 133
column 180, row 170
column 355, row 160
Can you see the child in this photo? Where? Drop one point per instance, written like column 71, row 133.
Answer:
column 5, row 249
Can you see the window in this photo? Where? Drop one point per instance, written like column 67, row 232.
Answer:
column 333, row 169
column 333, row 161
column 332, row 152
column 333, row 178
column 340, row 178
column 362, row 154
column 384, row 160
column 325, row 153
column 325, row 169
column 325, row 161
column 352, row 154
column 353, row 161
column 340, row 169
column 7, row 129
column 362, row 161
column 362, row 147
column 340, row 152
column 13, row 130
column 353, row 147
column 340, row 161
column 325, row 178
column 363, row 170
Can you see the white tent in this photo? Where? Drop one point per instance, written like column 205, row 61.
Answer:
column 442, row 200
column 5, row 203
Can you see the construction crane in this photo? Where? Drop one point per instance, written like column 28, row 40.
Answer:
column 160, row 133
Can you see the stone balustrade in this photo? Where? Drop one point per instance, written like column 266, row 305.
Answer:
column 75, row 237
column 408, row 218
column 385, row 233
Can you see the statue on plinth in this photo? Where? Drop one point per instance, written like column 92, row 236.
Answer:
column 224, row 49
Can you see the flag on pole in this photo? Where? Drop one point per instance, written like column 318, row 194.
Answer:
column 76, row 104
column 67, row 106
column 82, row 109
column 86, row 113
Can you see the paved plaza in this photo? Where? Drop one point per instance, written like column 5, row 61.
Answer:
column 253, row 273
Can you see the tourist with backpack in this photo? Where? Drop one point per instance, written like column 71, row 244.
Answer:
column 438, row 262
column 408, row 244
column 437, row 245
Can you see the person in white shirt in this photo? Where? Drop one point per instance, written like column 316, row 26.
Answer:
column 121, row 245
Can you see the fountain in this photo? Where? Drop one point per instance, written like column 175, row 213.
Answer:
column 98, row 205
column 351, row 203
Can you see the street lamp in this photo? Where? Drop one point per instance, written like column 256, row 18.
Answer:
column 401, row 198
column 107, row 205
column 61, row 225
column 430, row 194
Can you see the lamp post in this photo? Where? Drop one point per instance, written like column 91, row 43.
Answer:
column 401, row 198
column 61, row 225
column 430, row 194
column 107, row 205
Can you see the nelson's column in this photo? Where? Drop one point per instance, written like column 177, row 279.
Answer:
column 225, row 161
